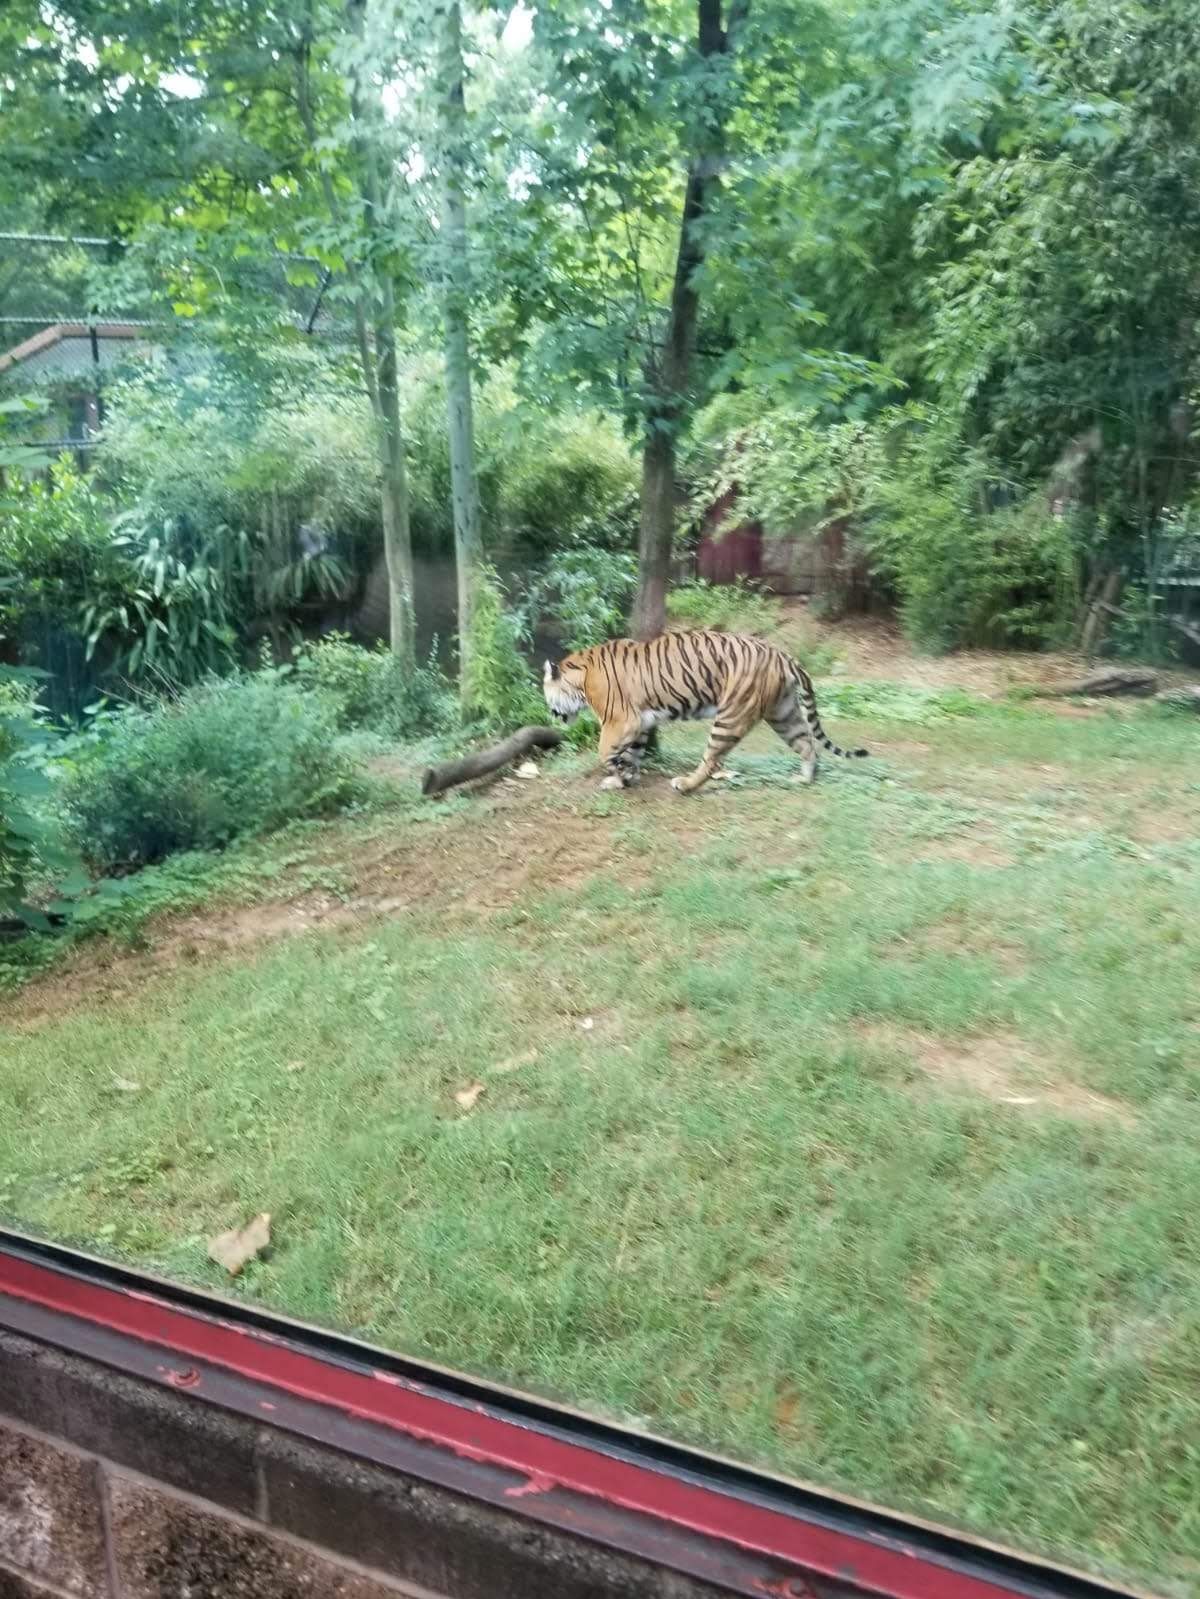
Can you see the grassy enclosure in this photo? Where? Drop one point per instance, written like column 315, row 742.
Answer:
column 851, row 1130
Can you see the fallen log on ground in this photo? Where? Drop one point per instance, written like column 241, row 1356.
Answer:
column 450, row 773
column 1111, row 681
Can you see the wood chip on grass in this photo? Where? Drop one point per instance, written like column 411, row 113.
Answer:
column 235, row 1249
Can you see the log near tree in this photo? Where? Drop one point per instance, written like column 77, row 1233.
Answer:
column 481, row 764
column 1109, row 681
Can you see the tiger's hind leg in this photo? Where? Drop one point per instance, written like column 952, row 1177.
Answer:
column 721, row 739
column 789, row 721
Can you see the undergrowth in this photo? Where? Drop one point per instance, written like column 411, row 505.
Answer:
column 229, row 757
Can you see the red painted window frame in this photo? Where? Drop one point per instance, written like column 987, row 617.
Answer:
column 708, row 1518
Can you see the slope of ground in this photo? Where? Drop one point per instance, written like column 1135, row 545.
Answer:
column 854, row 1130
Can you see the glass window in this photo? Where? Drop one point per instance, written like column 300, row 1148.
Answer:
column 382, row 942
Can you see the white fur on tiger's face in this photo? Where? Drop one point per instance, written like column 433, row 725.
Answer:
column 564, row 698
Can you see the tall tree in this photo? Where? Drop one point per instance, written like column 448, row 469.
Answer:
column 456, row 278
column 637, row 96
column 365, row 242
column 669, row 373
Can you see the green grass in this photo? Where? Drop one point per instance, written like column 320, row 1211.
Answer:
column 742, row 1206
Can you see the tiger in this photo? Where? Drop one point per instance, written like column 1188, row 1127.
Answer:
column 733, row 680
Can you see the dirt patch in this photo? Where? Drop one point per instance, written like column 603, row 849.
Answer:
column 955, row 937
column 1077, row 710
column 998, row 1067
column 969, row 851
column 258, row 924
column 530, row 839
column 103, row 970
column 874, row 648
column 906, row 746
column 1167, row 824
column 1008, row 780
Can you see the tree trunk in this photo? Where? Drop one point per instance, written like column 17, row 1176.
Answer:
column 377, row 360
column 1098, row 612
column 397, row 540
column 669, row 376
column 655, row 532
column 464, row 484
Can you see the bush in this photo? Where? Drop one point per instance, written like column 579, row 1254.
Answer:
column 57, row 556
column 370, row 689
column 973, row 557
column 790, row 468
column 734, row 607
column 19, row 826
column 966, row 573
column 499, row 688
column 586, row 592
column 544, row 478
column 247, row 503
column 213, row 445
column 566, row 477
column 229, row 757
column 32, row 848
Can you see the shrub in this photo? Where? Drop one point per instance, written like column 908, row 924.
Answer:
column 217, row 445
column 586, row 592
column 228, row 757
column 789, row 467
column 56, row 557
column 19, row 825
column 544, row 477
column 370, row 689
column 735, row 607
column 32, row 847
column 966, row 573
column 246, row 502
column 499, row 687
column 566, row 477
column 54, row 535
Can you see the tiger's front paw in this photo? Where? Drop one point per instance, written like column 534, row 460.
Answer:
column 682, row 785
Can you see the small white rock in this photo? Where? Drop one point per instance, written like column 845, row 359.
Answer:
column 527, row 769
column 588, row 1023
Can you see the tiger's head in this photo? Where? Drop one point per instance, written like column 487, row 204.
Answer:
column 563, row 687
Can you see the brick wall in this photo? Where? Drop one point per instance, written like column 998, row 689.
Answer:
column 75, row 1524
column 116, row 1488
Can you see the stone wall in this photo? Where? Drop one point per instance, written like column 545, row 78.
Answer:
column 116, row 1488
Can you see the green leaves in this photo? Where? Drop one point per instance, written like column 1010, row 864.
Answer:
column 31, row 842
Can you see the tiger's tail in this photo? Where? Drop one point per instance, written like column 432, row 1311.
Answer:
column 808, row 706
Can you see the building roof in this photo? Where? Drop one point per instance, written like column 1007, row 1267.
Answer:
column 59, row 336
